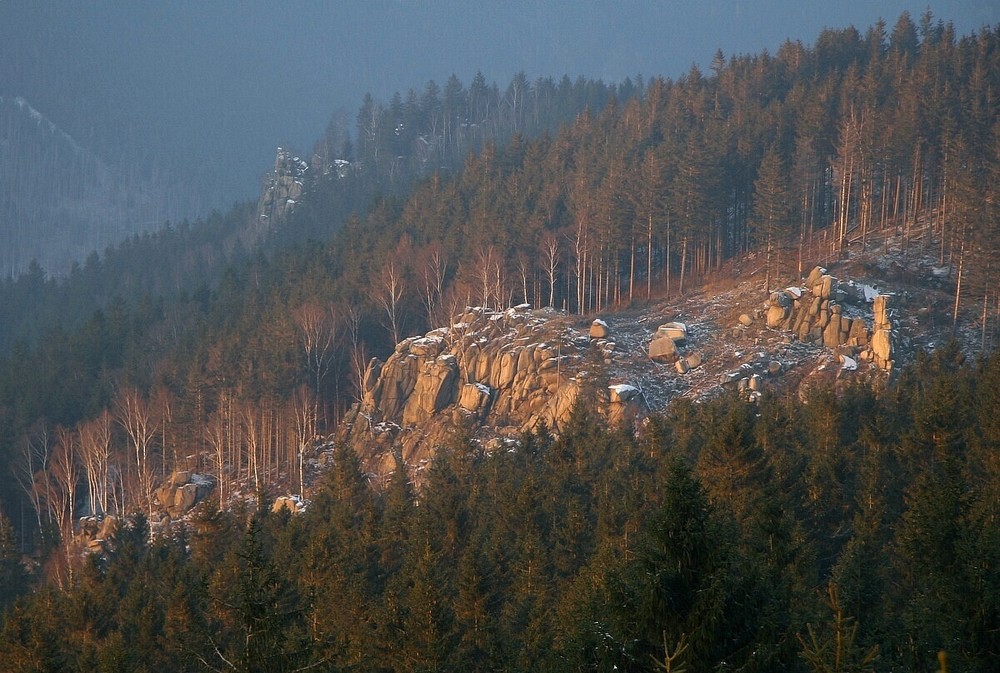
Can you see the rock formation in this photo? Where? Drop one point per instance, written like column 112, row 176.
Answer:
column 666, row 340
column 281, row 190
column 836, row 315
column 500, row 372
column 181, row 491
column 293, row 503
column 494, row 374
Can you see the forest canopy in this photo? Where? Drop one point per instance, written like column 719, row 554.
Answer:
column 841, row 529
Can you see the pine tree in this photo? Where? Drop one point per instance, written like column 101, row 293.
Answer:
column 13, row 577
column 263, row 613
column 681, row 587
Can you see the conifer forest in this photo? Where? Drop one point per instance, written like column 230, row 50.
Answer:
column 822, row 530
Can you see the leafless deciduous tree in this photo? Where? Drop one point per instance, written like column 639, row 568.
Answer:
column 95, row 455
column 387, row 293
column 220, row 434
column 135, row 417
column 433, row 275
column 304, row 420
column 317, row 328
column 65, row 478
column 359, row 359
column 490, row 277
column 549, row 248
column 31, row 471
column 525, row 272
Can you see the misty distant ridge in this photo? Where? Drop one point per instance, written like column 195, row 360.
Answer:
column 25, row 106
column 61, row 200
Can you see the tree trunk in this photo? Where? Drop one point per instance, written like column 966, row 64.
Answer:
column 684, row 250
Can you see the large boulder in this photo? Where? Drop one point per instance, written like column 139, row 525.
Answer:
column 776, row 316
column 475, row 397
column 881, row 346
column 599, row 329
column 673, row 330
column 292, row 503
column 182, row 490
column 184, row 498
column 824, row 288
column 663, row 347
column 622, row 392
column 831, row 333
column 178, row 478
column 882, row 315
column 815, row 276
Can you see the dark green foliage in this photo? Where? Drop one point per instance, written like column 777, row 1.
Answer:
column 709, row 540
column 263, row 620
column 590, row 551
column 13, row 577
column 678, row 584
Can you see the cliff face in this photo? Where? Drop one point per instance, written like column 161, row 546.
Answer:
column 281, row 190
column 492, row 374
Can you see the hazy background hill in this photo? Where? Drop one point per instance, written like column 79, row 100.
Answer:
column 183, row 105
column 60, row 199
column 838, row 522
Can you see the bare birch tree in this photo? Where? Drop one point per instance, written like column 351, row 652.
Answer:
column 31, row 472
column 433, row 275
column 134, row 416
column 489, row 277
column 549, row 247
column 317, row 328
column 219, row 434
column 304, row 422
column 387, row 293
column 95, row 455
column 65, row 479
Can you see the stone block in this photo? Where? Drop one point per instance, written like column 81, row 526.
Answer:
column 662, row 347
column 599, row 330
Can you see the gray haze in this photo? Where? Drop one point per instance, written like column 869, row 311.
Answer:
column 210, row 88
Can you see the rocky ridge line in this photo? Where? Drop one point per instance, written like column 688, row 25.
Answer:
column 495, row 374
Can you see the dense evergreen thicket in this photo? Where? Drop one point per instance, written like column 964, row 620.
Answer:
column 729, row 536
column 759, row 536
column 781, row 160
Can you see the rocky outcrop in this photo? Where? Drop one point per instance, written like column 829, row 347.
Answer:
column 835, row 314
column 492, row 375
column 882, row 339
column 293, row 503
column 599, row 329
column 181, row 491
column 499, row 372
column 96, row 533
column 664, row 344
column 281, row 190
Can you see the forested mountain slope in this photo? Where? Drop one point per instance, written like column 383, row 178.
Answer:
column 884, row 141
column 857, row 528
column 61, row 199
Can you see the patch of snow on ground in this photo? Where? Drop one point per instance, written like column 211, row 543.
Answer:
column 870, row 293
column 201, row 479
column 429, row 340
